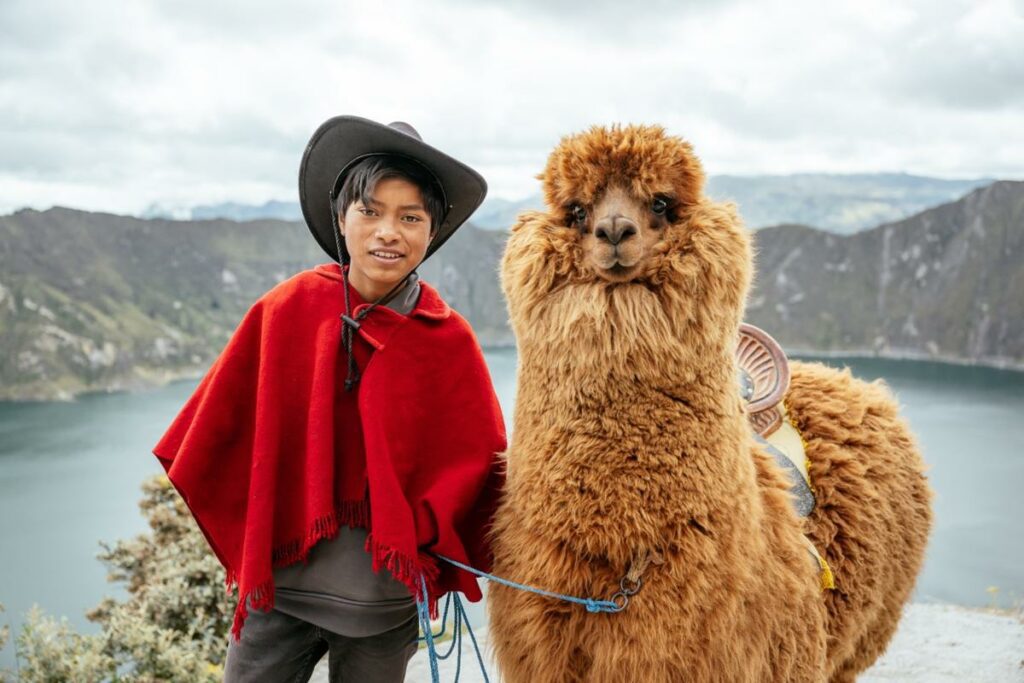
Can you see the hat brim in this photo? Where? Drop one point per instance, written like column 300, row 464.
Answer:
column 340, row 140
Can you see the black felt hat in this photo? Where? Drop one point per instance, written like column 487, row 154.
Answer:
column 342, row 141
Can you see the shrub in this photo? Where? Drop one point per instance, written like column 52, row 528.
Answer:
column 172, row 627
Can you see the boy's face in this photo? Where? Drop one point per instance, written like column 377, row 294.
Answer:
column 387, row 238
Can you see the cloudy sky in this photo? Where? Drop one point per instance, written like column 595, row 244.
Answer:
column 118, row 105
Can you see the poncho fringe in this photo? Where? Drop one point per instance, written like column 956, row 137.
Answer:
column 354, row 514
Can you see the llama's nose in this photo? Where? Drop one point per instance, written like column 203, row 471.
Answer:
column 614, row 229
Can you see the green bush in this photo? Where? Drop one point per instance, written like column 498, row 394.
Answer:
column 172, row 627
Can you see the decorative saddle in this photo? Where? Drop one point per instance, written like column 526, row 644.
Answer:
column 764, row 380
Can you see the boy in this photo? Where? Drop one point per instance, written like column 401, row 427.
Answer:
column 359, row 458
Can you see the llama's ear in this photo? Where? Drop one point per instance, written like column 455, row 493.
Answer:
column 690, row 177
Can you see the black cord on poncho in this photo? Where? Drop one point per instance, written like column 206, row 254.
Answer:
column 350, row 324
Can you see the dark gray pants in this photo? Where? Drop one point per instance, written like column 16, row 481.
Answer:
column 278, row 648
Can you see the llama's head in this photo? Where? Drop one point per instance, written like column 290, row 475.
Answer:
column 623, row 190
column 627, row 222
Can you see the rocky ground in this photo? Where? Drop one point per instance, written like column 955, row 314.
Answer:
column 934, row 644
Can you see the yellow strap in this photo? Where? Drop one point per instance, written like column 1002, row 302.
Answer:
column 828, row 581
column 788, row 440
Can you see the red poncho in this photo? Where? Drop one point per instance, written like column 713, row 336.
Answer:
column 253, row 454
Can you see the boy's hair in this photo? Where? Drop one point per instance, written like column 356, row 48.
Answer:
column 363, row 177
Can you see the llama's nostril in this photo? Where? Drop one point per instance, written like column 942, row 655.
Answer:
column 615, row 231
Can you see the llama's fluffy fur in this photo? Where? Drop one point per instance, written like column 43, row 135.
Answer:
column 629, row 435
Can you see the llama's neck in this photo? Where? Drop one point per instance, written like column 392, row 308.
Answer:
column 632, row 396
column 596, row 347
column 637, row 426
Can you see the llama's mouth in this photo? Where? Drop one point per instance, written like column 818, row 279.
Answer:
column 617, row 274
column 618, row 271
column 615, row 267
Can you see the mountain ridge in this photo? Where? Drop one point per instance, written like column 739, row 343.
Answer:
column 836, row 202
column 96, row 301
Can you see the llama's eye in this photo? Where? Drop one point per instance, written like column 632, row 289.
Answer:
column 659, row 206
column 579, row 214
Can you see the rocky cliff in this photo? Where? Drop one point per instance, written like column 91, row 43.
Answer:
column 947, row 283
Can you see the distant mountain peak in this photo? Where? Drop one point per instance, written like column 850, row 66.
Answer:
column 842, row 203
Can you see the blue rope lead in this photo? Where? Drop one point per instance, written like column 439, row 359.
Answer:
column 476, row 647
column 616, row 604
column 423, row 610
column 591, row 604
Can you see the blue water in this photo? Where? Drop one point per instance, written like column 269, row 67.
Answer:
column 70, row 475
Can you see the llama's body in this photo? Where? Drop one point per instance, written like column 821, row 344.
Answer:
column 630, row 435
column 873, row 511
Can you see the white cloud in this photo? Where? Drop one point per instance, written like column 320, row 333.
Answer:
column 114, row 106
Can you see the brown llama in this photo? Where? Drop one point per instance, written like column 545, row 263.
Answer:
column 631, row 441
